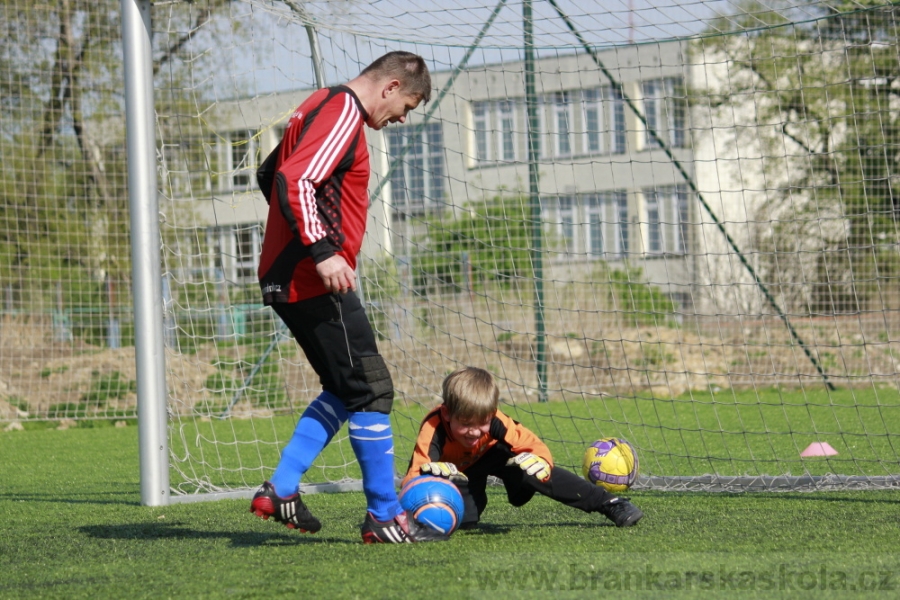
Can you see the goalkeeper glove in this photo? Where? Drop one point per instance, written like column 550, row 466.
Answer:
column 532, row 464
column 443, row 469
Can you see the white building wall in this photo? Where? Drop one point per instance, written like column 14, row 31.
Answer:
column 725, row 166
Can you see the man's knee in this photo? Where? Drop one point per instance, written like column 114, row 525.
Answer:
column 380, row 383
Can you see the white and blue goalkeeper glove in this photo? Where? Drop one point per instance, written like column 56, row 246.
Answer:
column 532, row 464
column 443, row 469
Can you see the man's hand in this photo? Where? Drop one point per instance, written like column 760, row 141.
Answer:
column 443, row 469
column 337, row 275
column 532, row 464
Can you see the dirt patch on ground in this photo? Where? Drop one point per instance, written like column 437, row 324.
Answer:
column 41, row 377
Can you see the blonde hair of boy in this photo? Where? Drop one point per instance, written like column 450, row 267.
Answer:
column 471, row 393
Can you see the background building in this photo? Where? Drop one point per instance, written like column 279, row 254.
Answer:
column 608, row 190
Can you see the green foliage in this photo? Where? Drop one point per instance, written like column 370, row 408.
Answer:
column 267, row 386
column 63, row 197
column 653, row 355
column 47, row 371
column 264, row 389
column 222, row 387
column 830, row 173
column 486, row 242
column 381, row 285
column 221, row 384
column 107, row 386
column 64, row 219
column 17, row 402
column 67, row 410
column 635, row 300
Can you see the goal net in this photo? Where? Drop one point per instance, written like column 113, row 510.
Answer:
column 669, row 222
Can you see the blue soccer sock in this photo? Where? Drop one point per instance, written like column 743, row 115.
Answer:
column 373, row 443
column 320, row 421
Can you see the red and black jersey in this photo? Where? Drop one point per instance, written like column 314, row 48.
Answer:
column 435, row 443
column 317, row 183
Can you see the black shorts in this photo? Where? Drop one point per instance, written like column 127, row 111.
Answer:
column 339, row 343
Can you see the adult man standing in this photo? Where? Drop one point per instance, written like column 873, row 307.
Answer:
column 316, row 182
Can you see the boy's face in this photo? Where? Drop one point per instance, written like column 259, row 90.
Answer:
column 467, row 431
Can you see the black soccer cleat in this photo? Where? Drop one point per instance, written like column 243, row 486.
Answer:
column 399, row 530
column 291, row 511
column 622, row 512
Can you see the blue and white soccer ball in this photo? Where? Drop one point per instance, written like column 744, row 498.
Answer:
column 434, row 502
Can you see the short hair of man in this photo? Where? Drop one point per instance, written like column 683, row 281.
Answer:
column 408, row 68
column 471, row 393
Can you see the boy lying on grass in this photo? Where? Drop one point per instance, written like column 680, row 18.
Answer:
column 468, row 438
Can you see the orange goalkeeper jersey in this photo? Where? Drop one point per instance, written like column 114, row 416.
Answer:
column 435, row 443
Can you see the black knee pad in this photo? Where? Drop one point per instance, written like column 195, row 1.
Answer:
column 379, row 379
column 520, row 499
column 520, row 488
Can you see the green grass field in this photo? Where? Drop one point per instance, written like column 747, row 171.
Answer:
column 73, row 527
column 752, row 432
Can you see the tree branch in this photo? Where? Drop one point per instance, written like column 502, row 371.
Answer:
column 202, row 17
column 54, row 108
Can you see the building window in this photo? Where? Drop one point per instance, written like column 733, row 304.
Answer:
column 236, row 250
column 192, row 255
column 186, row 168
column 617, row 115
column 566, row 222
column 506, row 132
column 665, row 108
column 562, row 123
column 247, row 249
column 482, row 122
column 654, row 225
column 418, row 180
column 229, row 252
column 606, row 233
column 603, row 121
column 595, row 224
column 541, row 148
column 593, row 122
column 244, row 158
column 667, row 220
column 496, row 138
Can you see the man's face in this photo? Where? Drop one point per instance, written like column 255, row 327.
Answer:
column 468, row 431
column 393, row 107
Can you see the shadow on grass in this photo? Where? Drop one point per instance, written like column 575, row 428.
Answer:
column 86, row 498
column 151, row 531
column 597, row 521
column 485, row 529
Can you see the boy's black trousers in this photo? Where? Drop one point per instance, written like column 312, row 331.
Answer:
column 563, row 486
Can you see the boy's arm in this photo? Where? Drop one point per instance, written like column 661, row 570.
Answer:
column 517, row 439
column 415, row 463
column 522, row 447
column 428, row 446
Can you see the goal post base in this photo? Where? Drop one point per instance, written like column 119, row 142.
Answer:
column 247, row 494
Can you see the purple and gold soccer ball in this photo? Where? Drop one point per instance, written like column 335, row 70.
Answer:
column 611, row 463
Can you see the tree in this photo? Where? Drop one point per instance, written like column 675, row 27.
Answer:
column 63, row 196
column 488, row 242
column 823, row 97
